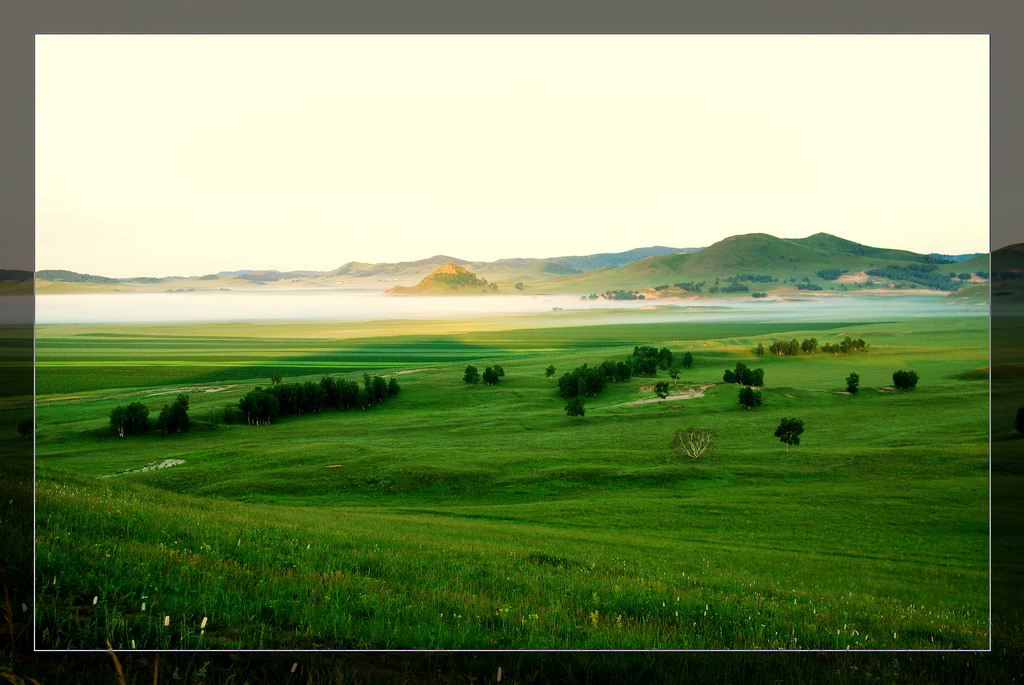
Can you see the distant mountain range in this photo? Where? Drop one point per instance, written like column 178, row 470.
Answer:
column 821, row 259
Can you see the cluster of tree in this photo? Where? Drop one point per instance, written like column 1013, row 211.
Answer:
column 753, row 278
column 621, row 295
column 922, row 274
column 846, row 346
column 647, row 360
column 583, row 381
column 491, row 375
column 830, row 274
column 691, row 286
column 261, row 406
column 759, row 294
column 132, row 419
column 743, row 375
column 904, row 380
column 735, row 288
column 808, row 286
column 173, row 417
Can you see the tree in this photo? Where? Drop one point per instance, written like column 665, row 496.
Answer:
column 500, row 371
column 174, row 417
column 661, row 389
column 759, row 350
column 393, row 387
column 472, row 376
column 25, row 428
column 789, row 431
column 622, row 372
column 275, row 378
column 687, row 360
column 575, row 407
column 749, row 397
column 490, row 376
column 519, row 285
column 130, row 420
column 693, row 443
column 904, row 380
column 852, row 383
column 673, row 373
column 550, row 371
column 664, row 358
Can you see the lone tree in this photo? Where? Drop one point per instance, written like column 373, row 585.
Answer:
column 852, row 383
column 575, row 407
column 749, row 397
column 472, row 376
column 673, row 373
column 904, row 380
column 275, row 378
column 25, row 428
column 661, row 389
column 687, row 360
column 789, row 431
column 130, row 420
column 693, row 443
column 550, row 371
column 1018, row 421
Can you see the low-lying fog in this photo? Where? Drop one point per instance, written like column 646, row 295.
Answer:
column 347, row 306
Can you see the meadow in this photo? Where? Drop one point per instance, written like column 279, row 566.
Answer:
column 482, row 517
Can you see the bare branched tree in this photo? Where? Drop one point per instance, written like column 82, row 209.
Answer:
column 693, row 443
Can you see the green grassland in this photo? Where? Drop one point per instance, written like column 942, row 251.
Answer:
column 482, row 517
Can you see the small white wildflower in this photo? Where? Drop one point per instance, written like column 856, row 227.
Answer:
column 23, row 607
column 167, row 621
column 203, row 624
column 94, row 600
column 133, row 644
column 143, row 606
column 294, row 666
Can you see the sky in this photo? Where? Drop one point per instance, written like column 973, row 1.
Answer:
column 187, row 155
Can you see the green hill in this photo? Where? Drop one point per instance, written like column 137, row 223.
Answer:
column 830, row 243
column 760, row 254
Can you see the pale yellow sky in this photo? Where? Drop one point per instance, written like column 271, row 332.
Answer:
column 185, row 155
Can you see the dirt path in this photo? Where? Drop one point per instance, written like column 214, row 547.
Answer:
column 151, row 466
column 688, row 394
column 147, row 393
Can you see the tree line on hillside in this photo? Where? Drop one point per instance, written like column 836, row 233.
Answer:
column 261, row 406
column 922, row 274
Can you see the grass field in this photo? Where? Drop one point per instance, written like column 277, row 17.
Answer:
column 460, row 517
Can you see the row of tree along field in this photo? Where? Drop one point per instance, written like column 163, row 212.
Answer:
column 789, row 348
column 262, row 406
